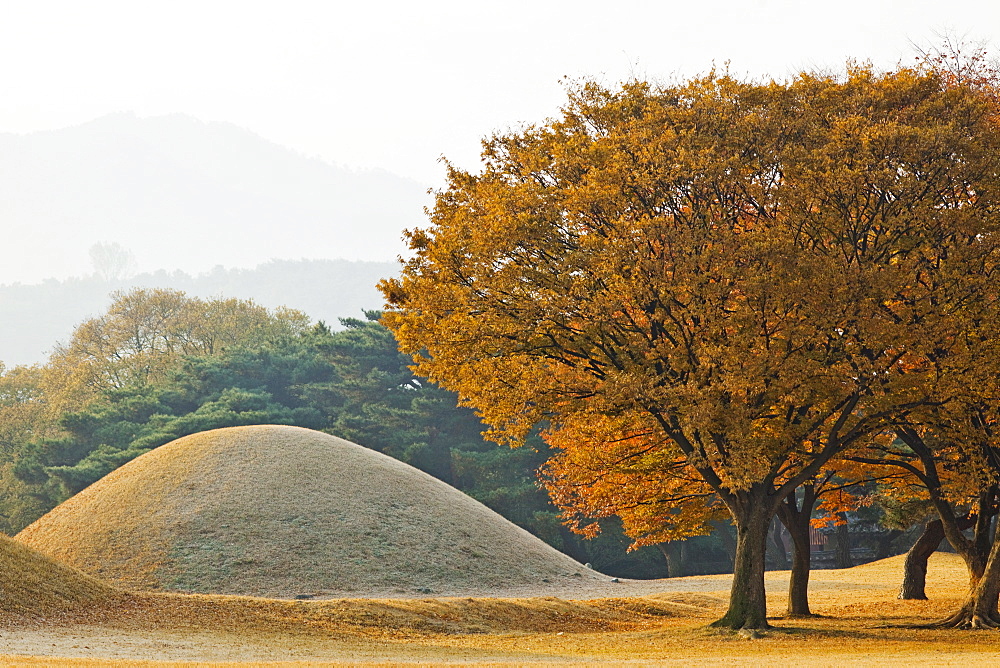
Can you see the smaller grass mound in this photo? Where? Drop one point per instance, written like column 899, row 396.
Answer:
column 389, row 618
column 34, row 587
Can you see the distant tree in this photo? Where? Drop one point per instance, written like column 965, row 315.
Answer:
column 382, row 405
column 112, row 262
column 103, row 398
column 25, row 414
column 239, row 385
column 146, row 332
column 23, row 411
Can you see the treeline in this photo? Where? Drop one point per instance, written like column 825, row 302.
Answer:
column 34, row 316
column 160, row 364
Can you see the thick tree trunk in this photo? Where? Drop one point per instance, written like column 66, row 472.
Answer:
column 747, row 601
column 915, row 565
column 798, row 581
column 796, row 520
column 980, row 608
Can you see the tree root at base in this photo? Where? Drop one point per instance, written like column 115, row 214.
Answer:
column 725, row 625
column 966, row 619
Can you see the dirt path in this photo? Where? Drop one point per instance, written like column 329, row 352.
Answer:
column 169, row 646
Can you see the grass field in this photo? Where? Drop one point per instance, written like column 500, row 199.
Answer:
column 344, row 529
column 862, row 623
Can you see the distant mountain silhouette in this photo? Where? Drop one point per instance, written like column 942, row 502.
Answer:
column 34, row 317
column 184, row 194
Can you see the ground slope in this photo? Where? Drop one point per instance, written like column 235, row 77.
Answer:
column 288, row 512
column 35, row 587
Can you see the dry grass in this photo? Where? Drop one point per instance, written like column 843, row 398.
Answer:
column 861, row 624
column 34, row 587
column 262, row 490
column 285, row 512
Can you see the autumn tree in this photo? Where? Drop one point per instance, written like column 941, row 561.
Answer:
column 25, row 414
column 837, row 488
column 905, row 504
column 741, row 279
column 23, row 410
column 146, row 332
column 665, row 501
column 952, row 452
column 950, row 446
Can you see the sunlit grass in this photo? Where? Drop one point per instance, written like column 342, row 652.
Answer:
column 861, row 623
column 51, row 614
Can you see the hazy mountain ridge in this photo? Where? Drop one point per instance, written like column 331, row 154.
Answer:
column 184, row 194
column 33, row 318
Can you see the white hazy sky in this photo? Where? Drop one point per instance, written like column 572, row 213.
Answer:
column 395, row 84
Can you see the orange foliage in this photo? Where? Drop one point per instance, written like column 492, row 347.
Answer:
column 718, row 285
column 606, row 466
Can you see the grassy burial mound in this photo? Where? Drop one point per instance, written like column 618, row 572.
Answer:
column 288, row 512
column 36, row 587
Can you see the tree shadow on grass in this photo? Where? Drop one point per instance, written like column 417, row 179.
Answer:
column 853, row 630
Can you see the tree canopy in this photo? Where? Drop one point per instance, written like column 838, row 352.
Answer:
column 721, row 282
